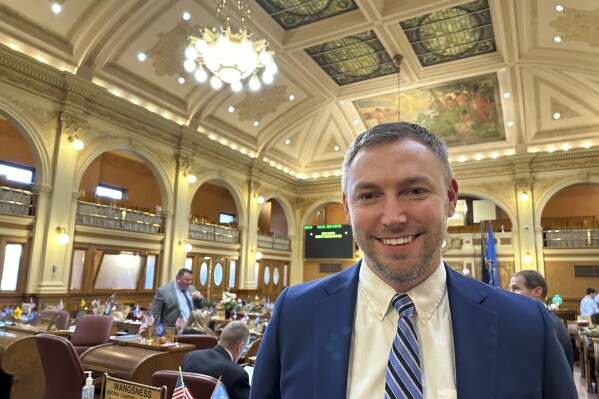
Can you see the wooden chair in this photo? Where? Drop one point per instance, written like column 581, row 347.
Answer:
column 251, row 351
column 200, row 341
column 201, row 386
column 91, row 330
column 62, row 367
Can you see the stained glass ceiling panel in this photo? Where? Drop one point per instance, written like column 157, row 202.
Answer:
column 293, row 13
column 452, row 34
column 353, row 58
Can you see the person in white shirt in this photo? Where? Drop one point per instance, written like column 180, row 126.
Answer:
column 587, row 304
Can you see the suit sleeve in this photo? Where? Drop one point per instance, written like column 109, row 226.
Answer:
column 267, row 371
column 558, row 381
column 241, row 388
column 157, row 304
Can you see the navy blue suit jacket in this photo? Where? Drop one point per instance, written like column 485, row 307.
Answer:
column 505, row 344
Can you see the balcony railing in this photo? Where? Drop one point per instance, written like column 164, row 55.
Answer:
column 274, row 242
column 15, row 201
column 117, row 218
column 213, row 232
column 571, row 238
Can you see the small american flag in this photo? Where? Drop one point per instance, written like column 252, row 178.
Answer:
column 181, row 391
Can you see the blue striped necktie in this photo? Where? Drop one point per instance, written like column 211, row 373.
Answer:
column 403, row 379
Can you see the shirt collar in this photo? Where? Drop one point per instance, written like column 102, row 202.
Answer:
column 426, row 296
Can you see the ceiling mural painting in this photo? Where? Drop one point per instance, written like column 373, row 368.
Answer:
column 463, row 112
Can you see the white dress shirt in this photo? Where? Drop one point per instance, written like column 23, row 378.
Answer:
column 375, row 325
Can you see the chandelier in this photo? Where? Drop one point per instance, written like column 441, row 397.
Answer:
column 230, row 56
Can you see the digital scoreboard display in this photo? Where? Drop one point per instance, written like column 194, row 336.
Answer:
column 332, row 241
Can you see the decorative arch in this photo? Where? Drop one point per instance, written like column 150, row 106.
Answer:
column 495, row 199
column 287, row 208
column 552, row 190
column 236, row 192
column 31, row 134
column 320, row 203
column 153, row 163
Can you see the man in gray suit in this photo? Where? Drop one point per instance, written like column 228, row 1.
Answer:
column 176, row 299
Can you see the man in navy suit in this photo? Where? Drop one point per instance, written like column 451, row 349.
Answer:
column 331, row 338
column 221, row 361
column 176, row 299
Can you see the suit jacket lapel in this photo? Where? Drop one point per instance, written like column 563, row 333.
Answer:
column 475, row 337
column 334, row 319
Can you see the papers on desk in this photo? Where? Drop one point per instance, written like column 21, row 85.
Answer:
column 126, row 337
column 250, row 371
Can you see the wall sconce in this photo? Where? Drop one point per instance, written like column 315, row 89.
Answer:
column 258, row 255
column 527, row 257
column 191, row 178
column 524, row 196
column 260, row 199
column 76, row 142
column 185, row 246
column 63, row 238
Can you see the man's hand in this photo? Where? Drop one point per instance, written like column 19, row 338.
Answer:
column 196, row 295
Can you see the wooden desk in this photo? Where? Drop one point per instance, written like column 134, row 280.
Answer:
column 134, row 361
column 19, row 358
column 121, row 326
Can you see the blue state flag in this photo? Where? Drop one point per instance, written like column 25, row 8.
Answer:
column 159, row 329
column 220, row 392
column 491, row 259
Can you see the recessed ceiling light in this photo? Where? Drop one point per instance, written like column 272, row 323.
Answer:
column 288, row 141
column 509, row 123
column 141, row 56
column 336, row 147
column 557, row 39
column 550, row 148
column 256, row 123
column 586, row 144
column 181, row 80
column 462, row 159
column 56, row 8
column 186, row 16
column 291, row 97
column 494, row 155
column 559, row 8
column 478, row 157
column 506, row 94
column 356, row 122
column 557, row 115
column 341, row 102
column 231, row 108
column 565, row 147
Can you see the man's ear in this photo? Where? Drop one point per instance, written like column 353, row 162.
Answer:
column 536, row 293
column 452, row 197
column 346, row 209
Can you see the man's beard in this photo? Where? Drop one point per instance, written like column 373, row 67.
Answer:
column 389, row 270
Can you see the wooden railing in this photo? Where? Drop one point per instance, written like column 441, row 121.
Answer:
column 274, row 242
column 15, row 201
column 117, row 218
column 213, row 232
column 571, row 238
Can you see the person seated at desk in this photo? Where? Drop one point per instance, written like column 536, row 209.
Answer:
column 196, row 324
column 221, row 361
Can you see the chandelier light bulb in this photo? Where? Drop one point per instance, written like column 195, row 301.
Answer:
column 236, row 86
column 56, row 8
column 272, row 68
column 258, row 255
column 191, row 54
column 265, row 58
column 216, row 83
column 189, row 65
column 62, row 238
column 191, row 178
column 201, row 75
column 254, row 83
column 267, row 78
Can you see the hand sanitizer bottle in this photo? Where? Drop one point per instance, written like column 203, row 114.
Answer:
column 87, row 392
